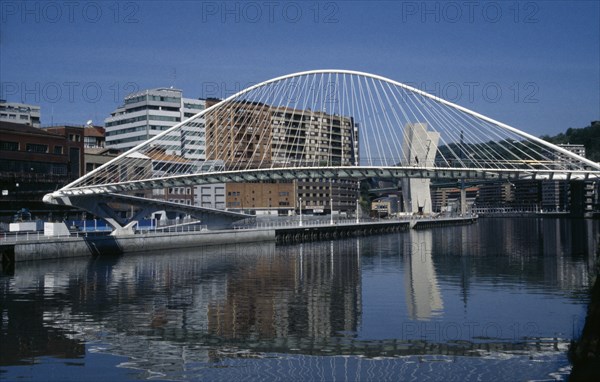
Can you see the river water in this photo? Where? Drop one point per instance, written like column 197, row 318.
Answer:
column 499, row 300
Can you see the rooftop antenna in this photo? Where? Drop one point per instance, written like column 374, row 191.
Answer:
column 174, row 75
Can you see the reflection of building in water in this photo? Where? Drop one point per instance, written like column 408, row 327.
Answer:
column 188, row 311
column 556, row 242
column 422, row 291
column 552, row 253
column 297, row 294
column 25, row 332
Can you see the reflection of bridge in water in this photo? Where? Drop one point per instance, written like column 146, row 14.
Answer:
column 323, row 125
column 252, row 301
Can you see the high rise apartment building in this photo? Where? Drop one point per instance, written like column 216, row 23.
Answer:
column 574, row 148
column 254, row 135
column 245, row 135
column 150, row 112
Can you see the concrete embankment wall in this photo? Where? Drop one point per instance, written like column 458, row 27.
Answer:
column 431, row 223
column 89, row 246
column 50, row 248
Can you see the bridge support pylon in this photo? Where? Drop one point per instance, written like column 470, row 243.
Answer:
column 419, row 150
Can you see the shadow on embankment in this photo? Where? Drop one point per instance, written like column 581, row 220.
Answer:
column 103, row 245
column 585, row 352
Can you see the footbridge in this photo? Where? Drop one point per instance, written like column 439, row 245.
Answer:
column 323, row 125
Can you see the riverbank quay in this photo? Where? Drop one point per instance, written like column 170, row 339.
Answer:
column 300, row 234
column 82, row 245
column 36, row 246
column 510, row 213
column 303, row 233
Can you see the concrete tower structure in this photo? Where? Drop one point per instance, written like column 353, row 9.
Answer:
column 419, row 149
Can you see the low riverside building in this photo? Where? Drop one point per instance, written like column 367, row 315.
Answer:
column 94, row 137
column 264, row 198
column 96, row 157
column 210, row 196
column 495, row 194
column 447, row 199
column 34, row 162
column 385, row 206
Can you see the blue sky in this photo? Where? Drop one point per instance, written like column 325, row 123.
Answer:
column 533, row 65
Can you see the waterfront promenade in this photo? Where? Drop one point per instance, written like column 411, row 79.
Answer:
column 32, row 246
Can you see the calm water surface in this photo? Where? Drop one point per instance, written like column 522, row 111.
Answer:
column 499, row 300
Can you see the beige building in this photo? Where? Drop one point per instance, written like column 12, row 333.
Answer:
column 305, row 137
column 239, row 135
column 96, row 157
column 277, row 196
column 248, row 135
column 447, row 199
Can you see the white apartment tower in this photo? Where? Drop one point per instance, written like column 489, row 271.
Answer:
column 556, row 195
column 20, row 113
column 148, row 113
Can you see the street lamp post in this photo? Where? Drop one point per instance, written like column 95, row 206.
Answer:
column 300, row 208
column 358, row 204
column 331, row 202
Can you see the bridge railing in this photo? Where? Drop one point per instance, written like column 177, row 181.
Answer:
column 194, row 227
column 19, row 237
column 179, row 228
column 327, row 221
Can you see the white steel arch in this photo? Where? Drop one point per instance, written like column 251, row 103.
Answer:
column 376, row 108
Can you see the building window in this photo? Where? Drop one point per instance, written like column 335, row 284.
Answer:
column 74, row 138
column 36, row 148
column 58, row 150
column 9, row 146
column 59, row 169
column 74, row 158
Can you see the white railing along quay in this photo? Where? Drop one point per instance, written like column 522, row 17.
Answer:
column 17, row 237
column 180, row 228
column 327, row 221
